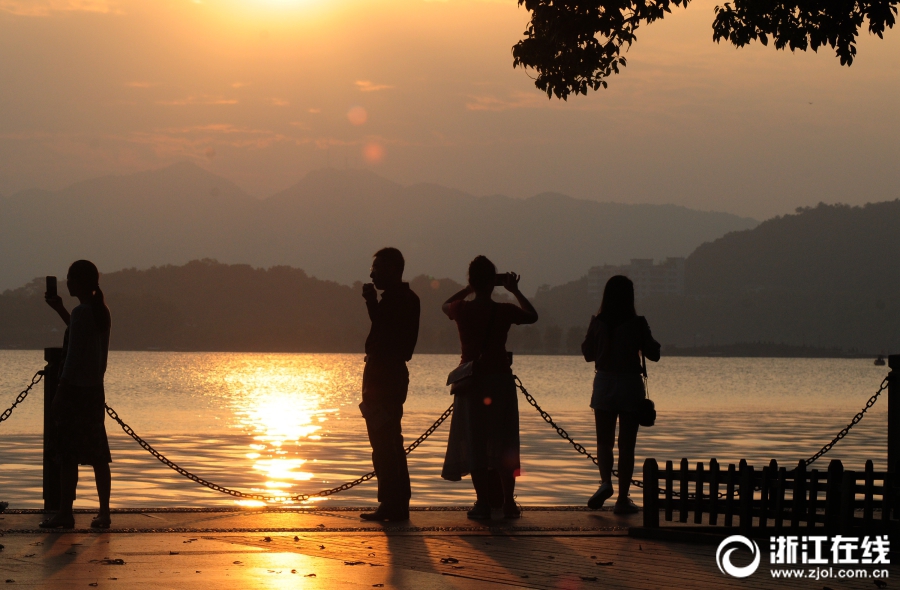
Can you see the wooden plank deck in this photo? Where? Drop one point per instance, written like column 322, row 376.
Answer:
column 204, row 550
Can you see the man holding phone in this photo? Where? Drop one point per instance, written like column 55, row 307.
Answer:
column 390, row 344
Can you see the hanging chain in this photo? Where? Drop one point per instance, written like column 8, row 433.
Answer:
column 38, row 376
column 262, row 497
column 840, row 435
column 561, row 432
column 21, row 397
column 854, row 422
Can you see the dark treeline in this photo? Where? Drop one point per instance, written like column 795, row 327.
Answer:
column 765, row 349
column 205, row 305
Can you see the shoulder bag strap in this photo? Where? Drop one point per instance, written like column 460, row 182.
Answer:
column 644, row 375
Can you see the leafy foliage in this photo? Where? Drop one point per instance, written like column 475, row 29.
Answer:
column 803, row 24
column 575, row 45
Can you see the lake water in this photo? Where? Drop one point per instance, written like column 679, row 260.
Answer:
column 283, row 424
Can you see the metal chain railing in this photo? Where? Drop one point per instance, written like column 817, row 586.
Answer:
column 21, row 397
column 854, row 422
column 637, row 483
column 562, row 432
column 262, row 497
column 351, row 484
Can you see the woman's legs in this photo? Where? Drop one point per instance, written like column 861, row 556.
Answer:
column 605, row 423
column 104, row 486
column 68, row 481
column 628, row 429
column 482, row 483
column 508, row 480
column 481, row 479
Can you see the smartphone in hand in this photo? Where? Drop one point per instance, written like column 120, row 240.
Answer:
column 51, row 287
column 500, row 279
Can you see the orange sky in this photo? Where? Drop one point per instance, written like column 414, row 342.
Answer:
column 262, row 91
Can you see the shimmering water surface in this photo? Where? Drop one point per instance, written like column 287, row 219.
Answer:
column 283, row 424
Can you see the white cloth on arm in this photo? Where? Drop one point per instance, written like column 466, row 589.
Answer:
column 88, row 349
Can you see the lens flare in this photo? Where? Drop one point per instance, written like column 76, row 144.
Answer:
column 373, row 152
column 357, row 116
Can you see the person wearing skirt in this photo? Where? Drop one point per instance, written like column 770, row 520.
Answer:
column 78, row 409
column 484, row 429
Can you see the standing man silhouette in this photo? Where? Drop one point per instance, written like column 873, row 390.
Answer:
column 390, row 344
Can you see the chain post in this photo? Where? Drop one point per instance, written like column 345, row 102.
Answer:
column 51, row 488
column 893, row 434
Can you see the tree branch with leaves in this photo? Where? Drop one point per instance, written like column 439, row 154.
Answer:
column 575, row 45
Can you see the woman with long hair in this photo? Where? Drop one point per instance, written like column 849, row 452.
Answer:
column 484, row 430
column 616, row 340
column 78, row 412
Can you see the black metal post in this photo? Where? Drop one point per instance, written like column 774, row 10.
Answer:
column 833, row 496
column 53, row 356
column 893, row 414
column 651, row 494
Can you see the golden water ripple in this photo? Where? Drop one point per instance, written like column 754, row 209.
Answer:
column 285, row 424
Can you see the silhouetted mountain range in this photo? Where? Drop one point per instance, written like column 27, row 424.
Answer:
column 793, row 298
column 829, row 249
column 824, row 277
column 330, row 223
column 845, row 304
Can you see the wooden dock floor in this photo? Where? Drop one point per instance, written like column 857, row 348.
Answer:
column 566, row 549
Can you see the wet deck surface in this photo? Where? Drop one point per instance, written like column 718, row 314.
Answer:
column 548, row 548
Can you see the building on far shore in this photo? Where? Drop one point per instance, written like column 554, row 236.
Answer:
column 665, row 278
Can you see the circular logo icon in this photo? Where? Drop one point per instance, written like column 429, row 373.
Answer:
column 723, row 556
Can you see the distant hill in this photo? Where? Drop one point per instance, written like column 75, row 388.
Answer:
column 329, row 224
column 826, row 249
column 205, row 305
column 825, row 277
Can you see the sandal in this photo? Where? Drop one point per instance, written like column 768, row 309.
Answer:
column 101, row 522
column 58, row 522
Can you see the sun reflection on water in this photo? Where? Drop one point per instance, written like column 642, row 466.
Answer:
column 281, row 406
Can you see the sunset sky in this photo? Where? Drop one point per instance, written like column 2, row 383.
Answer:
column 263, row 91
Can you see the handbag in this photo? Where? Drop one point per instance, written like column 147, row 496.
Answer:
column 462, row 379
column 647, row 409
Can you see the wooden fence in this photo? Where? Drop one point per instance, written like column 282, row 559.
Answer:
column 837, row 501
